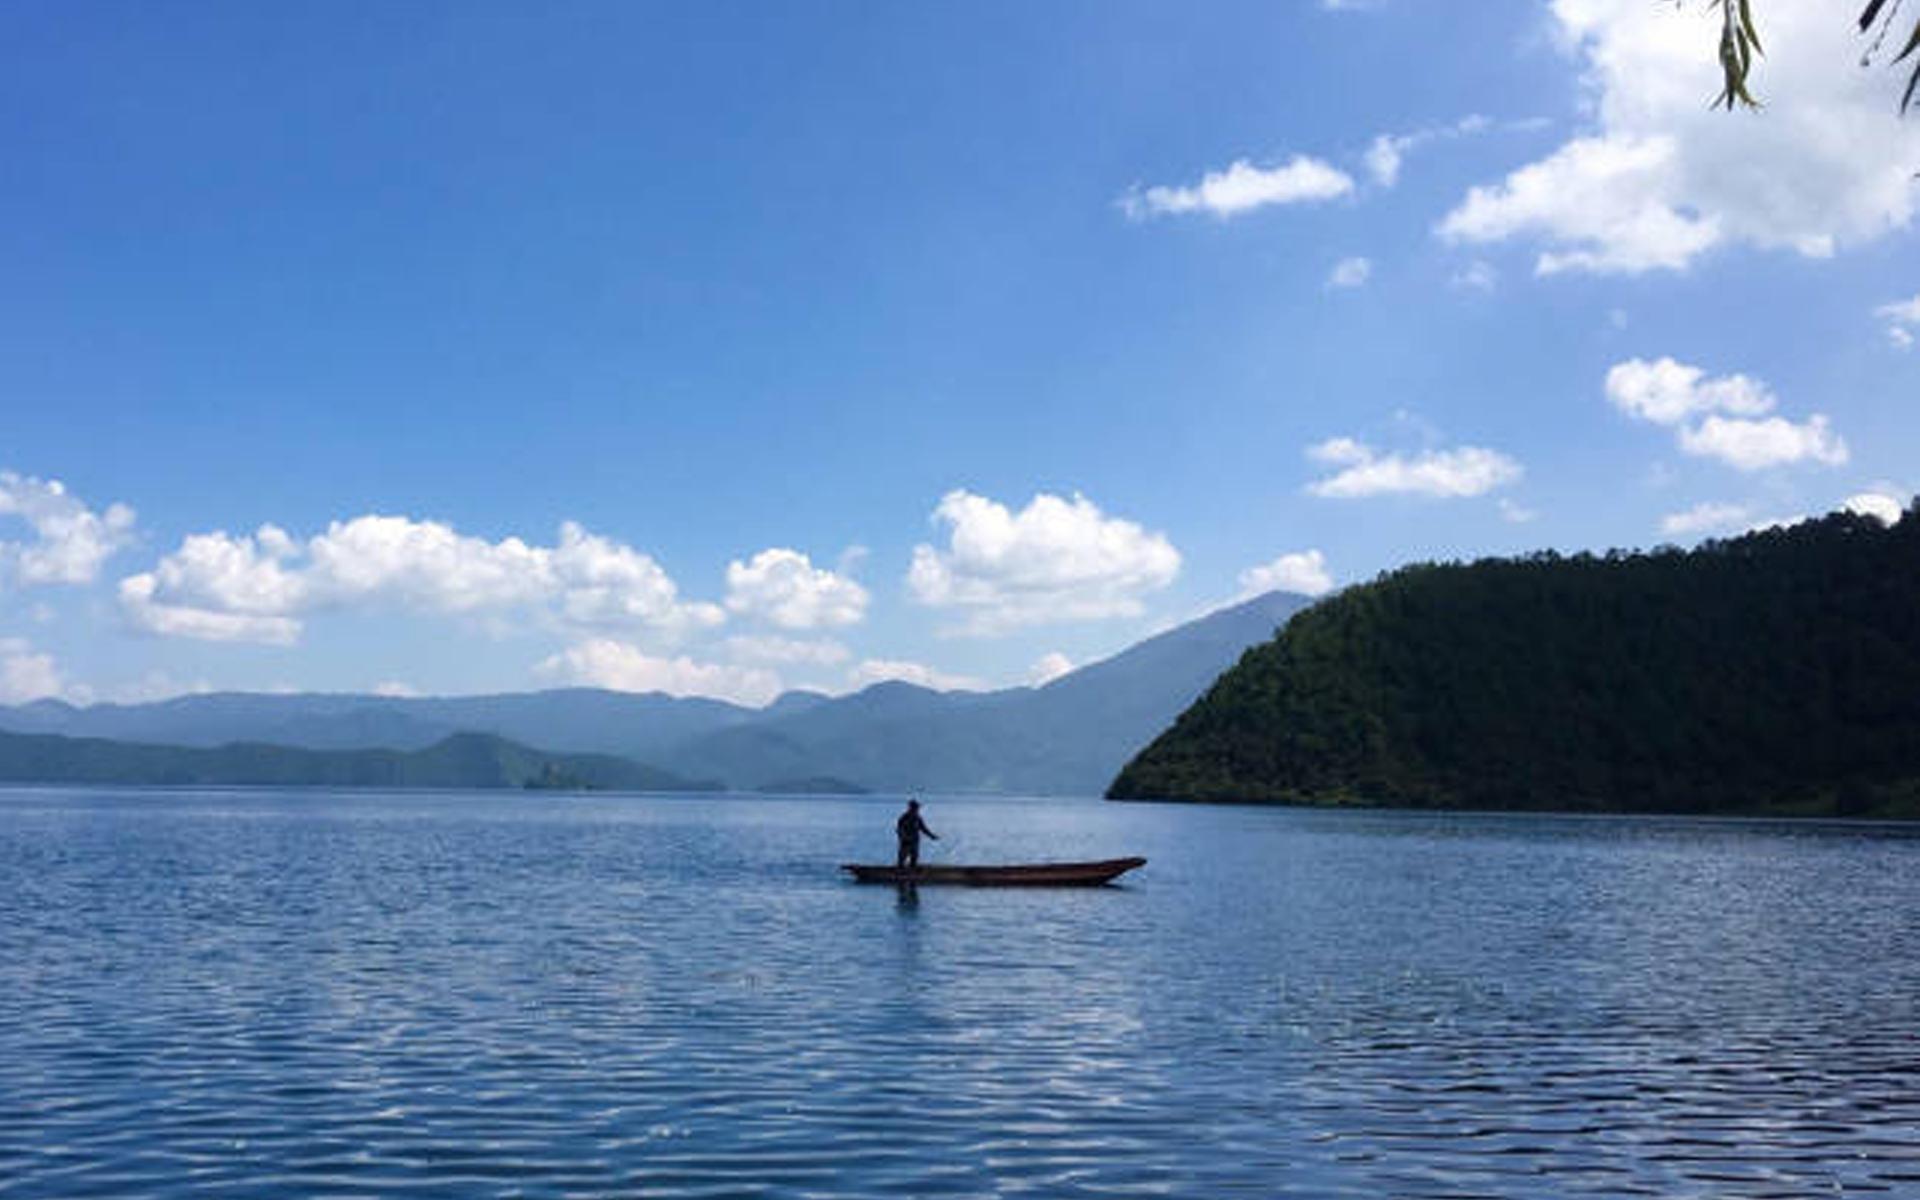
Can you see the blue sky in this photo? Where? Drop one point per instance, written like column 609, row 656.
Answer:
column 727, row 348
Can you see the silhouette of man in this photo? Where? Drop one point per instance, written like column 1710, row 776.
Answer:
column 909, row 828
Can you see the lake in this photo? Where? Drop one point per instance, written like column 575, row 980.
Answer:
column 285, row 994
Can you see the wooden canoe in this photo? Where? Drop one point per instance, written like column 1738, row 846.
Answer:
column 1067, row 874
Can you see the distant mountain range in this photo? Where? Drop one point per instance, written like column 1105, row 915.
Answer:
column 463, row 760
column 1068, row 737
column 574, row 720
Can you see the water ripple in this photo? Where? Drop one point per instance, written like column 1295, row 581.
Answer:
column 245, row 994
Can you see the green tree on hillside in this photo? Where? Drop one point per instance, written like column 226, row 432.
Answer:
column 1776, row 672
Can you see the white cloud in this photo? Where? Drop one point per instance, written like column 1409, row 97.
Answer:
column 396, row 688
column 1304, row 572
column 1667, row 392
column 1387, row 153
column 784, row 588
column 1589, row 196
column 1514, row 514
column 1049, row 667
column 158, row 685
column 1661, row 178
column 70, row 540
column 1883, row 506
column 144, row 611
column 1055, row 560
column 1727, row 414
column 218, row 587
column 1705, row 517
column 1350, row 272
column 1903, row 319
column 623, row 667
column 421, row 564
column 883, row 670
column 1463, row 471
column 1772, row 442
column 27, row 674
column 1340, row 451
column 786, row 651
column 1906, row 312
column 601, row 583
column 1242, row 188
column 1384, row 156
column 258, row 588
column 1477, row 276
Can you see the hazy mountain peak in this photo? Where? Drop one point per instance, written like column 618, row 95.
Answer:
column 1070, row 736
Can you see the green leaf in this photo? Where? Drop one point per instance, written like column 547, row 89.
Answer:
column 1746, row 23
column 1913, row 43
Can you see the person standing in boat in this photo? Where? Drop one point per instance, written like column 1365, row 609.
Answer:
column 909, row 828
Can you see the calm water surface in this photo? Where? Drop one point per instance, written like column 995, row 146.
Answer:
column 259, row 994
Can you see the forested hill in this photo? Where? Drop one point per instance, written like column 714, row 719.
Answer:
column 1776, row 672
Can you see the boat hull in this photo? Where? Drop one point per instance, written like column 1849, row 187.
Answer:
column 1071, row 874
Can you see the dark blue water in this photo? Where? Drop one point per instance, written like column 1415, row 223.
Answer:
column 261, row 994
